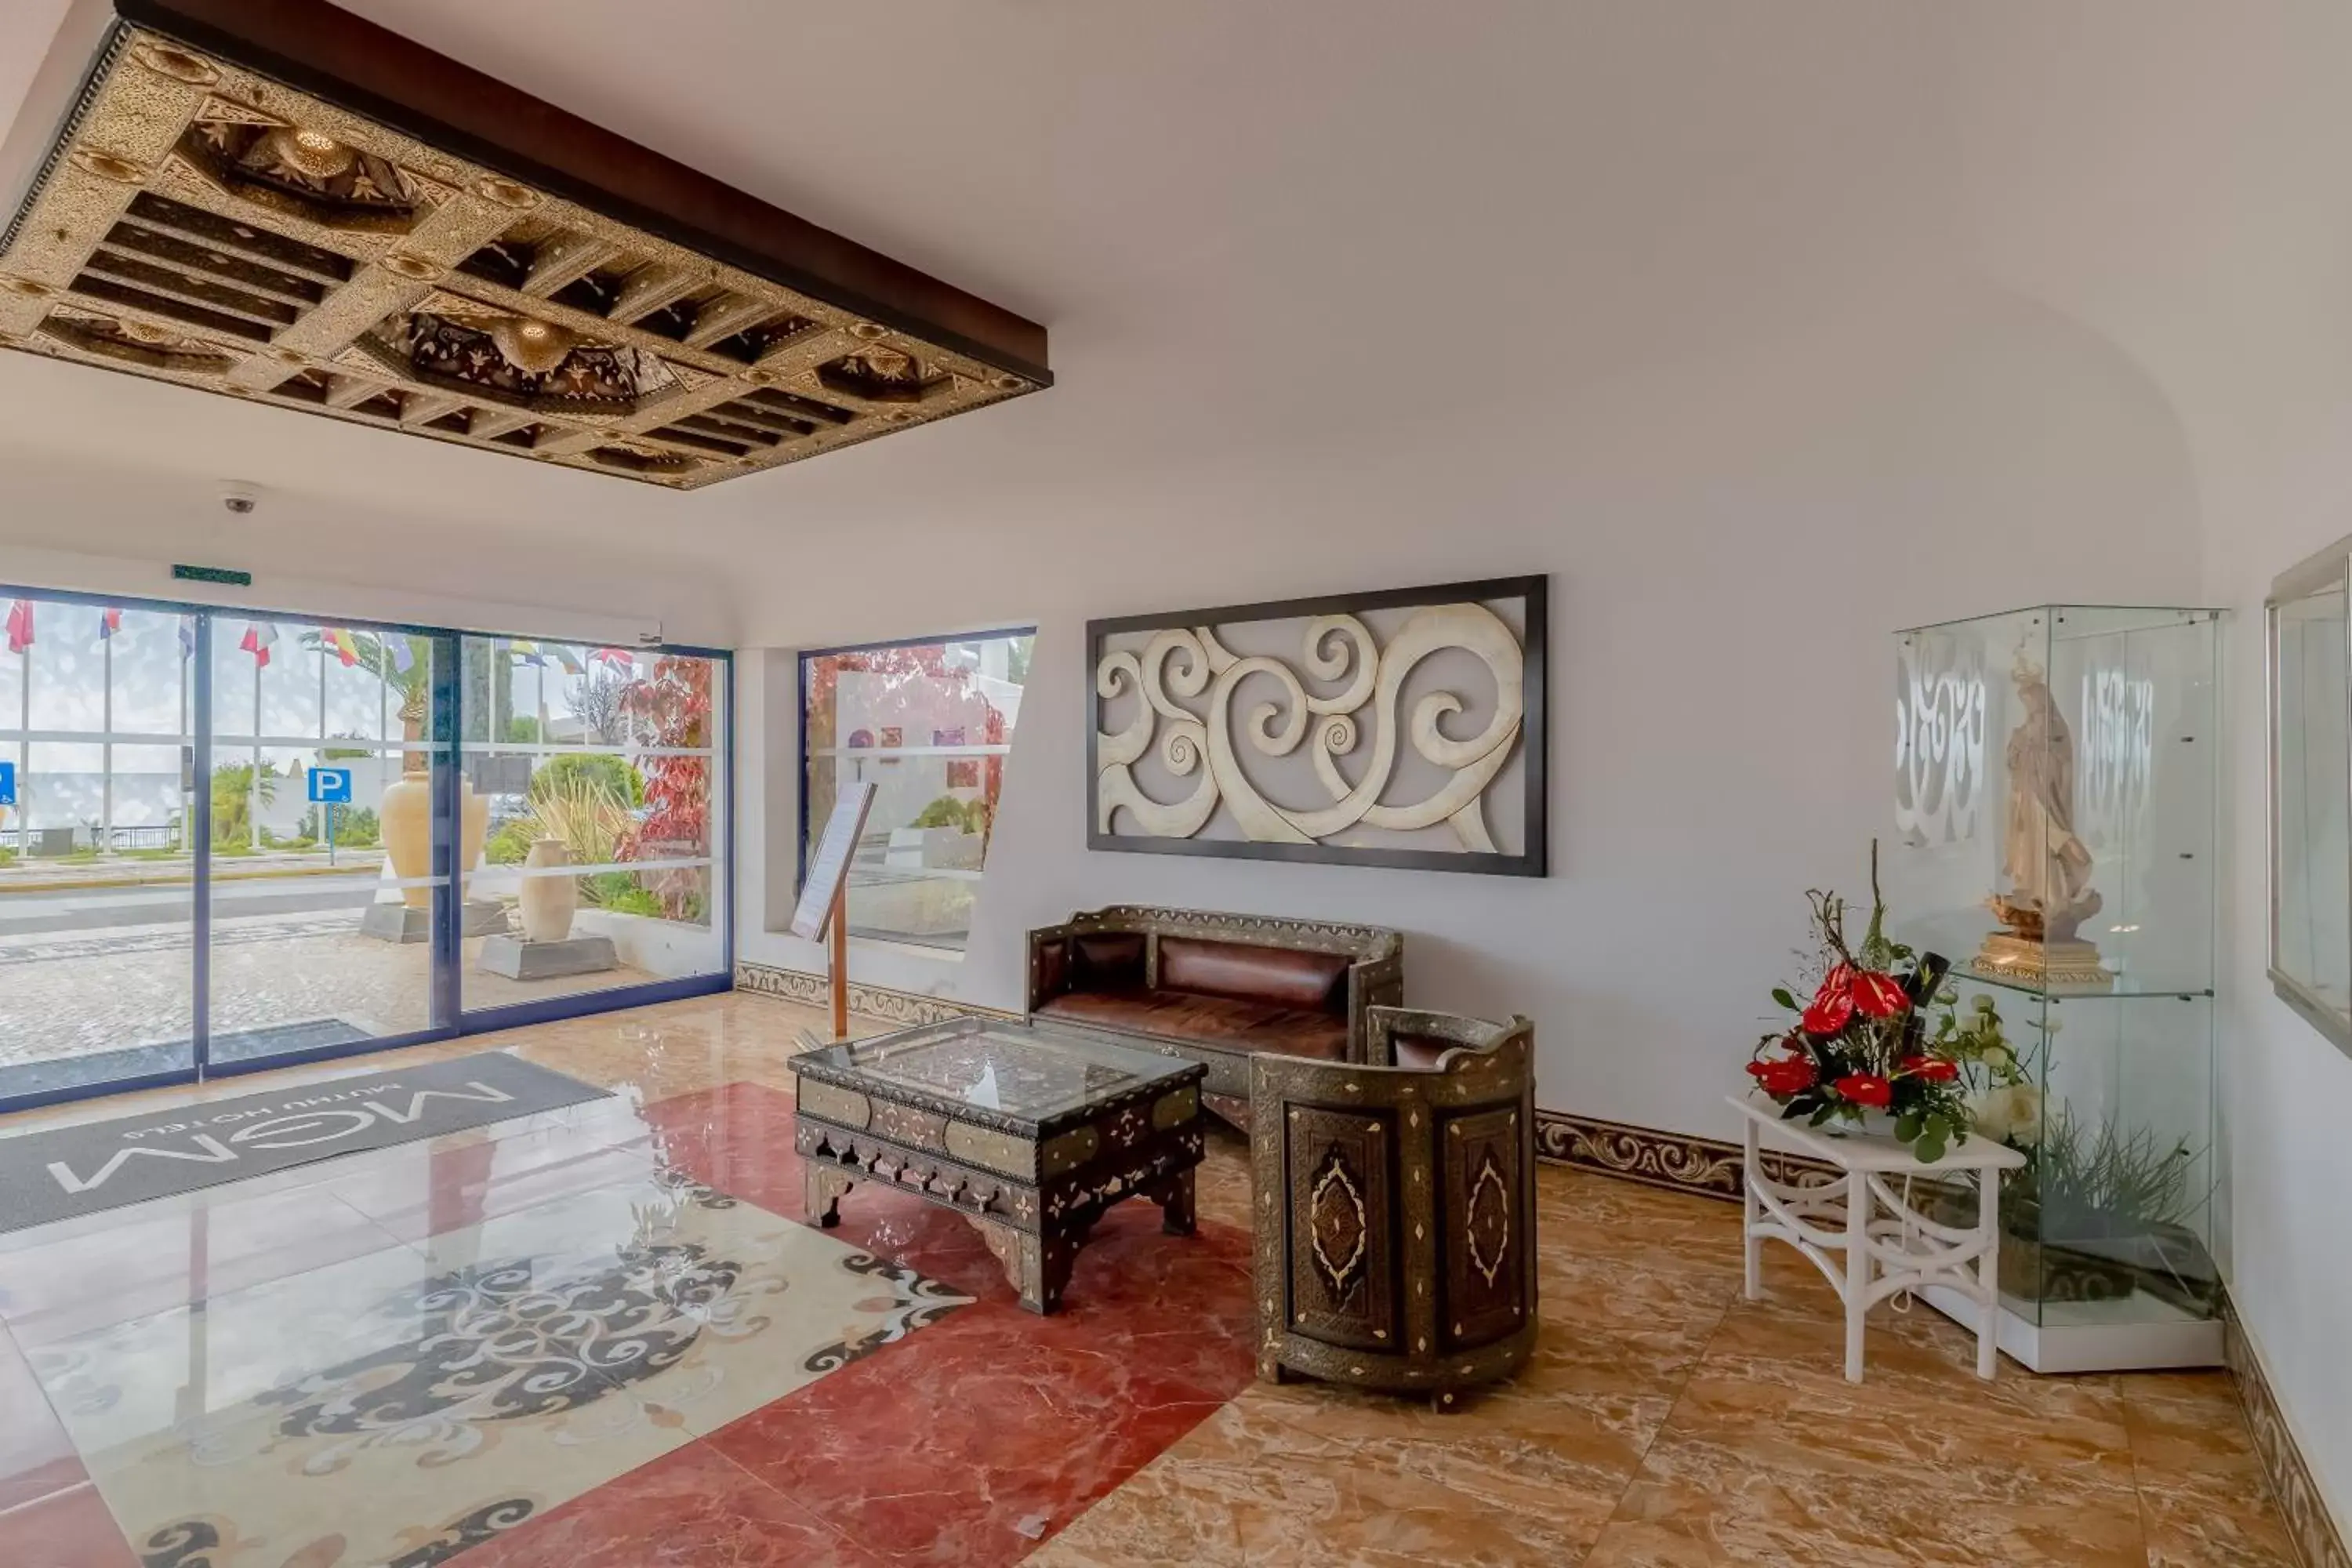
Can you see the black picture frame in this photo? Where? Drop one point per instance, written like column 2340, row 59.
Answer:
column 1533, row 861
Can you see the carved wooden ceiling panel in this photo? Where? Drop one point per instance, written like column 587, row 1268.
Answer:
column 199, row 223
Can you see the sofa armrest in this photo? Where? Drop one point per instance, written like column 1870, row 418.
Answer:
column 1372, row 983
column 1038, row 984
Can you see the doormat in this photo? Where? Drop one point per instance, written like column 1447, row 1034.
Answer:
column 68, row 1172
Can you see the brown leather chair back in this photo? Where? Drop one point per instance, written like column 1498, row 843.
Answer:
column 1285, row 977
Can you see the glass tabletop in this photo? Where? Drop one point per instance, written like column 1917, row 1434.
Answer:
column 1033, row 1071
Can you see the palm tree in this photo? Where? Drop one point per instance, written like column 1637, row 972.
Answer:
column 236, row 793
column 379, row 656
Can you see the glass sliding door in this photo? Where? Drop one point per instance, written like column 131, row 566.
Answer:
column 324, row 787
column 231, row 840
column 97, row 929
column 596, row 772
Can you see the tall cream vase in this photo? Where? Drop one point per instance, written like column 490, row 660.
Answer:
column 548, row 903
column 404, row 817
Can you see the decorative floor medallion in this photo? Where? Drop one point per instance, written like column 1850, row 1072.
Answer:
column 405, row 1406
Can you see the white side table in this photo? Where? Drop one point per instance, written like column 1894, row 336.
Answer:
column 1886, row 1254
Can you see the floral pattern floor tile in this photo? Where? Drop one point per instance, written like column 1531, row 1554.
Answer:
column 406, row 1406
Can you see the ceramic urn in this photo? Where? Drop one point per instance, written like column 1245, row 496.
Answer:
column 548, row 902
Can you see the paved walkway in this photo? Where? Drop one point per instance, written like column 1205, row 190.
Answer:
column 83, row 994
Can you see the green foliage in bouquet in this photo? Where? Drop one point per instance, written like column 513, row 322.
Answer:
column 1880, row 1033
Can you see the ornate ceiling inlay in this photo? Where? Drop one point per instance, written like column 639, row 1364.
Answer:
column 447, row 264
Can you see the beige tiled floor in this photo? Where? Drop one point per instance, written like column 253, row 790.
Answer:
column 1665, row 1421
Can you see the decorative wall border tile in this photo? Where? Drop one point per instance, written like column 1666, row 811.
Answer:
column 901, row 1007
column 1679, row 1163
column 2315, row 1535
column 1704, row 1167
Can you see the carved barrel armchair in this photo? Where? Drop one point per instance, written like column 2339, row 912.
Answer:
column 1396, row 1216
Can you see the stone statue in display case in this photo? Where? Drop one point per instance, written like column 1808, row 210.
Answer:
column 2046, row 865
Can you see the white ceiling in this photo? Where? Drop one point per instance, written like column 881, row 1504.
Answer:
column 1253, row 224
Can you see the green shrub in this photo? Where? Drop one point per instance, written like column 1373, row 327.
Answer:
column 511, row 842
column 356, row 827
column 608, row 889
column 636, row 902
column 610, row 776
column 947, row 811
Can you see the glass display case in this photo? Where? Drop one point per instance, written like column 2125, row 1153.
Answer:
column 2311, row 791
column 2056, row 822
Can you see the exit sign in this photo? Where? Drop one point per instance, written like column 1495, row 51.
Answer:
column 227, row 575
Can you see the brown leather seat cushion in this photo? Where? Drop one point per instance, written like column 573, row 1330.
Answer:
column 1281, row 976
column 1222, row 1021
column 1420, row 1051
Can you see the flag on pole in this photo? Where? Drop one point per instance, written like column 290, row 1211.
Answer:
column 258, row 635
column 569, row 660
column 187, row 638
column 620, row 658
column 110, row 621
column 525, row 652
column 403, row 658
column 340, row 639
column 20, row 626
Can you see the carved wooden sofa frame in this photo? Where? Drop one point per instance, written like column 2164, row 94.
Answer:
column 1396, row 1216
column 1374, row 977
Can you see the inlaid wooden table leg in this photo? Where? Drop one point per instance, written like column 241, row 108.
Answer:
column 1036, row 1266
column 1174, row 1196
column 821, row 1193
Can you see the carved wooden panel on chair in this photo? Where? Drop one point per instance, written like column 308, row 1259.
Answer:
column 1483, row 1227
column 1343, row 1281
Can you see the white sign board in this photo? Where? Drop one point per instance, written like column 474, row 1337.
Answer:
column 828, row 865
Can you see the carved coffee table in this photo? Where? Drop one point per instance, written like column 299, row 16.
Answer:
column 1029, row 1130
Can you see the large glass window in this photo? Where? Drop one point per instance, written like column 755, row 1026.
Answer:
column 231, row 838
column 593, row 773
column 930, row 724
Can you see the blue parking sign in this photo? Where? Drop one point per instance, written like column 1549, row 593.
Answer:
column 331, row 785
column 7, row 783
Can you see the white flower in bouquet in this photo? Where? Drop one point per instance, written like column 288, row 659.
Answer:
column 2010, row 1115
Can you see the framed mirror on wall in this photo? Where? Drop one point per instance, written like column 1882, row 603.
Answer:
column 2309, row 650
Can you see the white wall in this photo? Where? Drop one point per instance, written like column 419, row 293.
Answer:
column 1731, row 541
column 117, row 527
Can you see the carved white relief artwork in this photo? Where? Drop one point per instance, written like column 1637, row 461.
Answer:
column 1939, row 739
column 1400, row 727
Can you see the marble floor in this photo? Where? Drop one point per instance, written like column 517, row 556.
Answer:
column 596, row 1339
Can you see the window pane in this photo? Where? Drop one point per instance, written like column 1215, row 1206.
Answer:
column 929, row 725
column 97, row 917
column 597, row 770
column 321, row 908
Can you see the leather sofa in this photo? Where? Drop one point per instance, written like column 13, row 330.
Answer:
column 1218, row 988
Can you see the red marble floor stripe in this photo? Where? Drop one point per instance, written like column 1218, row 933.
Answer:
column 988, row 1432
column 691, row 1508
column 985, row 1433
column 36, row 1457
column 70, row 1529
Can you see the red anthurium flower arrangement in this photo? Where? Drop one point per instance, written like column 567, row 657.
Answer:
column 1863, row 1044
